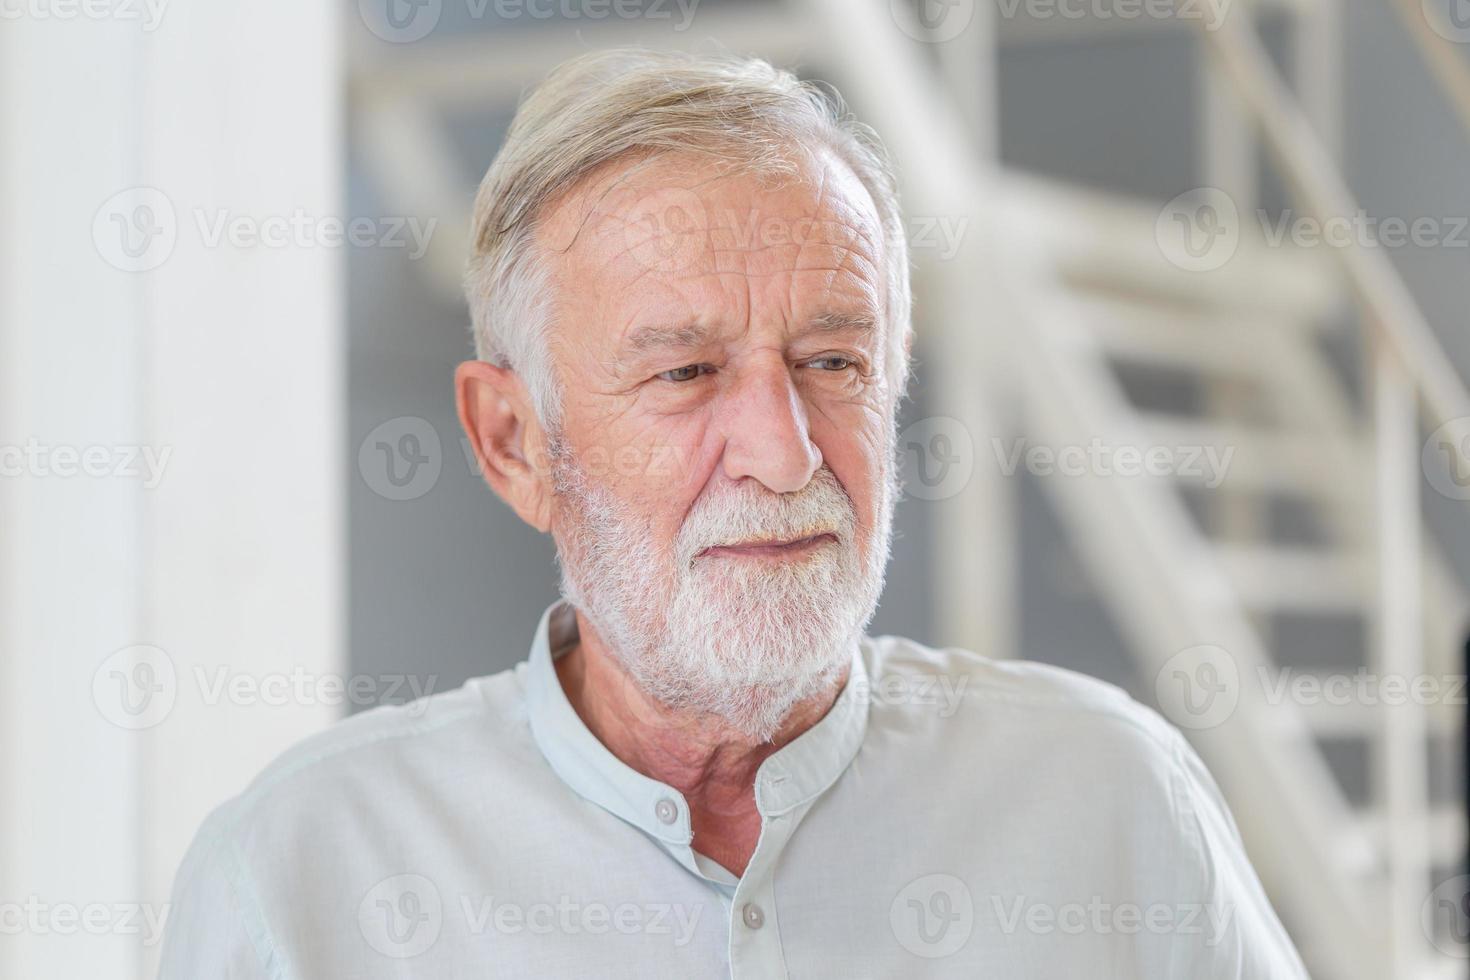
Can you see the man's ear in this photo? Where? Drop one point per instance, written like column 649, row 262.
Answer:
column 510, row 446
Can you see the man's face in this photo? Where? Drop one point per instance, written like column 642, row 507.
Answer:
column 721, row 345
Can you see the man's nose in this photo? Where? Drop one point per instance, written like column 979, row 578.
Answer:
column 765, row 424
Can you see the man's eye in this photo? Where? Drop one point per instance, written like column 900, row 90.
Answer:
column 686, row 373
column 834, row 362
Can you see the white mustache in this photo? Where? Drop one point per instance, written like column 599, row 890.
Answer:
column 745, row 514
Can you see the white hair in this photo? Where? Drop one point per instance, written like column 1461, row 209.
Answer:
column 597, row 108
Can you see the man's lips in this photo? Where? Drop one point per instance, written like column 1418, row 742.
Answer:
column 772, row 548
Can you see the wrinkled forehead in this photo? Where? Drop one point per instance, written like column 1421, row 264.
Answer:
column 676, row 217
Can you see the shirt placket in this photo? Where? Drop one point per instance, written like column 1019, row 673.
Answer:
column 755, row 934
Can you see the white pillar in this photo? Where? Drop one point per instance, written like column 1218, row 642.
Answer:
column 127, row 333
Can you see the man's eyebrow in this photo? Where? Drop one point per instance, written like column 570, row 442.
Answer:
column 691, row 335
column 659, row 337
column 862, row 322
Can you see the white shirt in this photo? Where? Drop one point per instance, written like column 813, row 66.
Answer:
column 950, row 816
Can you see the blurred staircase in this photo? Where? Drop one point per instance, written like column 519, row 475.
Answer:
column 1314, row 368
column 1284, row 537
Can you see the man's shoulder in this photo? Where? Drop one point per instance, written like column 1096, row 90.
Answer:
column 482, row 717
column 1073, row 736
column 961, row 688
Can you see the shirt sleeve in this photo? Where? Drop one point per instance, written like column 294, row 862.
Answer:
column 215, row 930
column 1240, row 937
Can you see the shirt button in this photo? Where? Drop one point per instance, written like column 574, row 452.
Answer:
column 666, row 811
column 752, row 915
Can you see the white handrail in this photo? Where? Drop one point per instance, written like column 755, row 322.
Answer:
column 1411, row 374
column 1391, row 310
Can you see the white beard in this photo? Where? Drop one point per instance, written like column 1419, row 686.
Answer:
column 745, row 640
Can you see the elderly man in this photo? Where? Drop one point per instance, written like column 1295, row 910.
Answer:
column 690, row 296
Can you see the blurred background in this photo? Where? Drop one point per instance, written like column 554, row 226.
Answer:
column 1191, row 281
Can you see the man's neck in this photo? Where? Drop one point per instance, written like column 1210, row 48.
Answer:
column 700, row 755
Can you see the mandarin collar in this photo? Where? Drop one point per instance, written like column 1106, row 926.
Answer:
column 798, row 772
